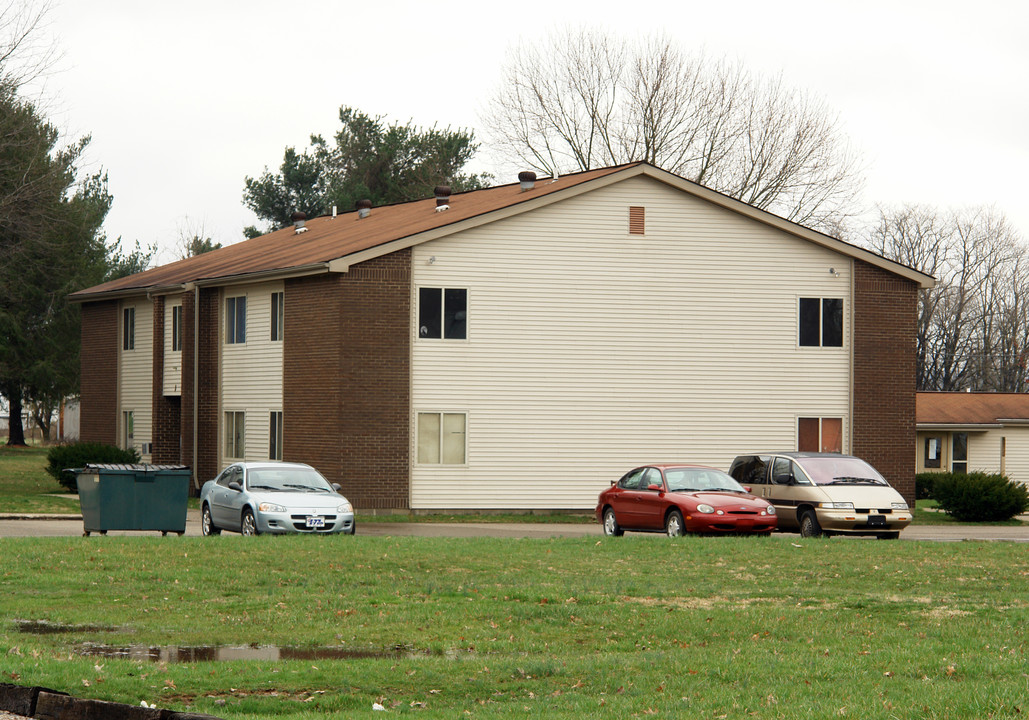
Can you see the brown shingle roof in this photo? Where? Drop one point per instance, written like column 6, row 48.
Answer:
column 347, row 240
column 329, row 238
column 959, row 408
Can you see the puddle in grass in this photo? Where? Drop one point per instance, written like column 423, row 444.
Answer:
column 225, row 653
column 45, row 627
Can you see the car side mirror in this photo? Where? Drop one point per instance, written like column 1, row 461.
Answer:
column 337, row 487
column 655, row 488
column 747, row 488
column 235, row 486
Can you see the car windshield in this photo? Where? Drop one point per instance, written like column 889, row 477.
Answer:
column 695, row 479
column 841, row 471
column 287, row 480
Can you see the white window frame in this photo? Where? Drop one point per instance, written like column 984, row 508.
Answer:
column 176, row 336
column 235, row 442
column 278, row 317
column 128, row 330
column 441, row 448
column 128, row 419
column 275, row 435
column 233, row 334
column 821, row 321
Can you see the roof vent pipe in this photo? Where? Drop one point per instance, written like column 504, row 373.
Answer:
column 527, row 179
column 298, row 219
column 364, row 208
column 442, row 193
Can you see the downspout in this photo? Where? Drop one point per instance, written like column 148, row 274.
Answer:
column 196, row 382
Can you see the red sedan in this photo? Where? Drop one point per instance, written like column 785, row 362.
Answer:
column 677, row 499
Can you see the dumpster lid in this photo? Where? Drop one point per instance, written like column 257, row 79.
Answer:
column 136, row 467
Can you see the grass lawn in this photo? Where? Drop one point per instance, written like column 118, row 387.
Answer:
column 25, row 487
column 568, row 628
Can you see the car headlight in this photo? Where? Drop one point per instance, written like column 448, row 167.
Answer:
column 770, row 510
column 837, row 505
column 345, row 508
column 271, row 507
column 900, row 506
column 704, row 508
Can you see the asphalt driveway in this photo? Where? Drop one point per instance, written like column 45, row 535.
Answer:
column 71, row 526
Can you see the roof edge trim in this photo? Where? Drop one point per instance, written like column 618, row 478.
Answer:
column 222, row 280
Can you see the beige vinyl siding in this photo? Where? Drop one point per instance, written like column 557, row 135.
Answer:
column 251, row 372
column 984, row 451
column 1017, row 462
column 172, row 358
column 135, row 376
column 591, row 350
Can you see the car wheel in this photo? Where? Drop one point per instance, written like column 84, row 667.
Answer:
column 249, row 524
column 889, row 535
column 611, row 526
column 674, row 526
column 206, row 523
column 809, row 526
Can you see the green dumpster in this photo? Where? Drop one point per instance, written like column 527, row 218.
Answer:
column 133, row 497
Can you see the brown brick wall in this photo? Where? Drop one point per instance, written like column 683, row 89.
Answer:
column 167, row 409
column 885, row 309
column 98, row 419
column 206, row 466
column 346, row 384
column 207, row 417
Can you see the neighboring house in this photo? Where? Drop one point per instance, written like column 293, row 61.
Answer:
column 964, row 432
column 516, row 349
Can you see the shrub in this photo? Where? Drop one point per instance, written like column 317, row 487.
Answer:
column 979, row 496
column 77, row 455
column 924, row 485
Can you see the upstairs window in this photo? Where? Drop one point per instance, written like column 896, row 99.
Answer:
column 443, row 313
column 177, row 329
column 128, row 329
column 821, row 322
column 236, row 320
column 277, row 315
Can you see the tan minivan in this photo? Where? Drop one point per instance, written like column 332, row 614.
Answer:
column 824, row 493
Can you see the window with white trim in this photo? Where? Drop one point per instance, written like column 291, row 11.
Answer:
column 275, row 436
column 176, row 344
column 277, row 315
column 235, row 438
column 820, row 434
column 443, row 313
column 235, row 320
column 441, row 438
column 128, row 329
column 821, row 322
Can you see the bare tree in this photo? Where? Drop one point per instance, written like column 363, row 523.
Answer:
column 972, row 327
column 25, row 52
column 585, row 99
column 193, row 239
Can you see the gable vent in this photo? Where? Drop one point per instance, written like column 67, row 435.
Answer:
column 636, row 218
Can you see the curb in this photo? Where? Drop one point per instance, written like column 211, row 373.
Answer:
column 39, row 516
column 45, row 704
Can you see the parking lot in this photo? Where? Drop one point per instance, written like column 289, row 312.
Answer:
column 71, row 526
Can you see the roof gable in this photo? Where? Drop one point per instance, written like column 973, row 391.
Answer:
column 335, row 243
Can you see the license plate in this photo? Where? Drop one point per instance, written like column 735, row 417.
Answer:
column 877, row 520
column 315, row 522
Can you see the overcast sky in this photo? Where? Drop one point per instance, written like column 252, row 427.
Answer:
column 184, row 100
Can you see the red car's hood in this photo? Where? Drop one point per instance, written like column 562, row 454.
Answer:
column 725, row 499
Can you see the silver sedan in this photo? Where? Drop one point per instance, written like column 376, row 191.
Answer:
column 273, row 497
